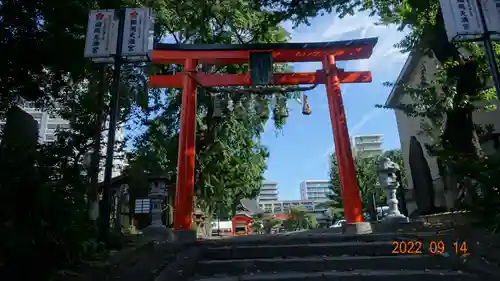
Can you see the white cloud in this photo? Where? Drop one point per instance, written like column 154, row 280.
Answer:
column 356, row 128
column 360, row 25
column 374, row 112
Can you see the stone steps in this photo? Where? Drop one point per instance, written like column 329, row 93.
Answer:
column 306, row 237
column 321, row 257
column 379, row 248
column 318, row 264
column 356, row 275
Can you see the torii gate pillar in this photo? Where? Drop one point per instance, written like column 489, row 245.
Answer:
column 353, row 210
column 184, row 192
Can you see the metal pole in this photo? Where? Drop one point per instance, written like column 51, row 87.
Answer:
column 489, row 51
column 114, row 106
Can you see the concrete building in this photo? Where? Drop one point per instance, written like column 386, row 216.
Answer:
column 49, row 124
column 367, row 145
column 410, row 127
column 268, row 192
column 283, row 206
column 316, row 190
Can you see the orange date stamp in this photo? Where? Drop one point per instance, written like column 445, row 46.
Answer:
column 432, row 247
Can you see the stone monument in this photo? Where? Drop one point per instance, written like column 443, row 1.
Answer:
column 387, row 175
column 423, row 187
column 124, row 208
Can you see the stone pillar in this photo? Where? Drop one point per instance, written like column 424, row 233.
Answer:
column 388, row 179
column 170, row 203
column 124, row 207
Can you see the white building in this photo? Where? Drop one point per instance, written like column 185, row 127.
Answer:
column 268, row 192
column 409, row 127
column 367, row 145
column 49, row 124
column 282, row 206
column 316, row 190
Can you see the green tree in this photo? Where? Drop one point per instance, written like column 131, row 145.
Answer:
column 367, row 178
column 42, row 50
column 230, row 159
column 300, row 218
column 269, row 223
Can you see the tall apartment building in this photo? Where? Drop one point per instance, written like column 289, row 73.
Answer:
column 315, row 190
column 49, row 124
column 268, row 192
column 367, row 145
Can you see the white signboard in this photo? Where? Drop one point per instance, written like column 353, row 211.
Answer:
column 142, row 206
column 461, row 19
column 491, row 9
column 138, row 34
column 102, row 35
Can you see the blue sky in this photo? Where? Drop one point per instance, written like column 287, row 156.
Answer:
column 301, row 151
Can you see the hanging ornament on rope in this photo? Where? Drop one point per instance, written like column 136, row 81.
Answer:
column 306, row 109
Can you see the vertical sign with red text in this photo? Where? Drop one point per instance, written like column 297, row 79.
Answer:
column 102, row 35
column 138, row 34
column 463, row 22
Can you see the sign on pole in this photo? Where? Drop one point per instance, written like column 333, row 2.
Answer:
column 107, row 32
column 475, row 20
column 491, row 9
column 102, row 35
column 138, row 34
column 461, row 19
column 142, row 206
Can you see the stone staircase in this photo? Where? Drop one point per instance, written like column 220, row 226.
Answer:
column 324, row 256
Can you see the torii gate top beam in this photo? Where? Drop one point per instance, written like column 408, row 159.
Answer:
column 281, row 52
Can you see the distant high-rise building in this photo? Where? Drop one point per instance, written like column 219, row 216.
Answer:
column 268, row 192
column 49, row 123
column 316, row 190
column 367, row 145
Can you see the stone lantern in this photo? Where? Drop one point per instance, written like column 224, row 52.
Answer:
column 157, row 195
column 387, row 177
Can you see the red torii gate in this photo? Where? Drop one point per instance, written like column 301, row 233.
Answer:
column 326, row 52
